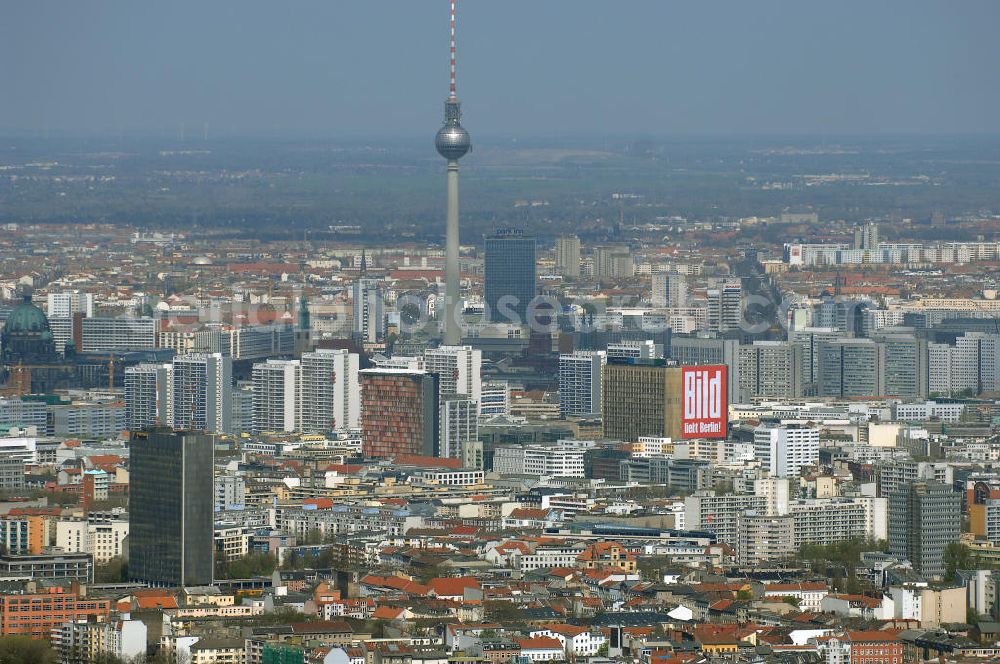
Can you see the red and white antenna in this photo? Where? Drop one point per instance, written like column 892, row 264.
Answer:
column 452, row 96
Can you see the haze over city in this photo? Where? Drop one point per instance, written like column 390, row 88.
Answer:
column 373, row 69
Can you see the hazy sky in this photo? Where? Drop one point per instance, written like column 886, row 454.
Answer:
column 614, row 67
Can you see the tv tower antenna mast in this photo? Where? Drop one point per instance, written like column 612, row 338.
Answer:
column 452, row 143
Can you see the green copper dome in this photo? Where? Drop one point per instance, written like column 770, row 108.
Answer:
column 26, row 318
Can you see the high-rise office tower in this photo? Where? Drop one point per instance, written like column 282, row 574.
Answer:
column 459, row 430
column 452, row 143
column 725, row 307
column 568, row 255
column 171, row 496
column 459, row 370
column 904, row 365
column 849, row 368
column 399, row 412
column 784, row 450
column 330, row 394
column 149, row 396
column 634, row 398
column 866, row 237
column 809, row 339
column 924, row 518
column 580, row 382
column 669, row 289
column 770, row 369
column 369, row 310
column 509, row 276
column 276, row 395
column 203, row 392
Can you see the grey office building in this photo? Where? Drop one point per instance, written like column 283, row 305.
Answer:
column 696, row 350
column 904, row 365
column 924, row 518
column 510, row 276
column 171, row 492
column 850, row 368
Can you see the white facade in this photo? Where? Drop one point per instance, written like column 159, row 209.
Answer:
column 495, row 399
column 369, row 311
column 783, row 450
column 580, row 382
column 203, row 392
column 118, row 334
column 275, row 396
column 103, row 540
column 459, row 428
column 330, row 391
column 669, row 290
column 67, row 303
column 459, row 370
column 149, row 396
column 230, row 492
column 725, row 307
column 538, row 460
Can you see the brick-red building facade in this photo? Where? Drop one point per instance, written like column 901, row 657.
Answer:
column 399, row 412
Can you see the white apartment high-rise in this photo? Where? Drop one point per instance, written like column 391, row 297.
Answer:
column 149, row 396
column 972, row 365
column 459, row 370
column 725, row 307
column 669, row 289
column 330, row 391
column 459, row 429
column 568, row 256
column 783, row 450
column 369, row 312
column 203, row 392
column 67, row 303
column 276, row 396
column 580, row 382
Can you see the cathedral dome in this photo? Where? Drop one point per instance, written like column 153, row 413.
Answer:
column 26, row 318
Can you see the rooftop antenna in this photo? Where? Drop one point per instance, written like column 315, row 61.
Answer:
column 451, row 89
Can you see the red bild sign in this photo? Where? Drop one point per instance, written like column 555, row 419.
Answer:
column 705, row 408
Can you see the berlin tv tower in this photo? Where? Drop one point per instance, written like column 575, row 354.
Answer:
column 452, row 142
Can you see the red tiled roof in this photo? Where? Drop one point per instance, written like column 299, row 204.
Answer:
column 539, row 643
column 452, row 587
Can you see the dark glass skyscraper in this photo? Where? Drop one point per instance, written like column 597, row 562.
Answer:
column 510, row 276
column 171, row 491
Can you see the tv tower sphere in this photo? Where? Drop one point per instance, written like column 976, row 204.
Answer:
column 452, row 141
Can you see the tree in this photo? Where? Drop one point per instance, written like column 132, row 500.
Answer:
column 250, row 565
column 23, row 650
column 956, row 556
column 502, row 612
column 113, row 571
